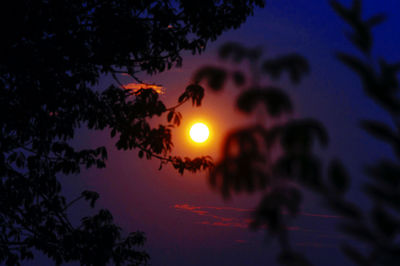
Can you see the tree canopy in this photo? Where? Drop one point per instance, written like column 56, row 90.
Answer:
column 52, row 56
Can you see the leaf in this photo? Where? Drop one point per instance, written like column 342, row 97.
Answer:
column 293, row 258
column 339, row 9
column 214, row 76
column 389, row 82
column 20, row 161
column 304, row 168
column 273, row 204
column 196, row 93
column 346, row 209
column 384, row 222
column 91, row 196
column 113, row 132
column 338, row 176
column 365, row 72
column 386, row 173
column 382, row 195
column 361, row 36
column 183, row 97
column 376, row 20
column 232, row 50
column 170, row 115
column 177, row 120
column 300, row 134
column 275, row 100
column 381, row 131
column 355, row 255
column 238, row 78
column 238, row 170
column 12, row 157
column 375, row 86
column 359, row 231
column 103, row 152
column 295, row 65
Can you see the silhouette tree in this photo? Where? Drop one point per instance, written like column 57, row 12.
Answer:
column 275, row 155
column 52, row 56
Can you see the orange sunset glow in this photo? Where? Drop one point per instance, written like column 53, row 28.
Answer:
column 137, row 86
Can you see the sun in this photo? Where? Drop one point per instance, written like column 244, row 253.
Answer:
column 199, row 132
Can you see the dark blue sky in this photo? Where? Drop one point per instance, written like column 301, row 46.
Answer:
column 187, row 223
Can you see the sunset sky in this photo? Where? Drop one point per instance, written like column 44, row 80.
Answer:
column 185, row 221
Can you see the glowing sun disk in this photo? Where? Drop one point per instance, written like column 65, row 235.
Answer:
column 199, row 132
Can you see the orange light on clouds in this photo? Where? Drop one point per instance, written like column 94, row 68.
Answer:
column 135, row 87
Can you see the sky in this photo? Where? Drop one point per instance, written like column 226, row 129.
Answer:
column 185, row 221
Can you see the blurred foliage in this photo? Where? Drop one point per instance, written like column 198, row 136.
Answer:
column 379, row 228
column 51, row 58
column 275, row 155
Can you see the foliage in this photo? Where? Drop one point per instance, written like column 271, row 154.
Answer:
column 52, row 57
column 275, row 155
column 379, row 228
column 270, row 157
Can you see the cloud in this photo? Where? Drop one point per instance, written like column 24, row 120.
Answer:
column 201, row 209
column 225, row 224
column 135, row 87
column 191, row 207
column 238, row 218
column 220, row 216
column 222, row 220
column 214, row 219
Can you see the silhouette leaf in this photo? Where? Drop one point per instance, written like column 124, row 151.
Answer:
column 346, row 209
column 91, row 196
column 355, row 255
column 372, row 84
column 240, row 168
column 365, row 72
column 376, row 20
column 299, row 135
column 384, row 222
column 305, row 169
column 380, row 131
column 194, row 92
column 338, row 176
column 296, row 66
column 215, row 77
column 293, row 258
column 273, row 204
column 232, row 50
column 275, row 100
column 238, row 78
column 170, row 115
column 359, row 231
column 386, row 173
column 361, row 37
